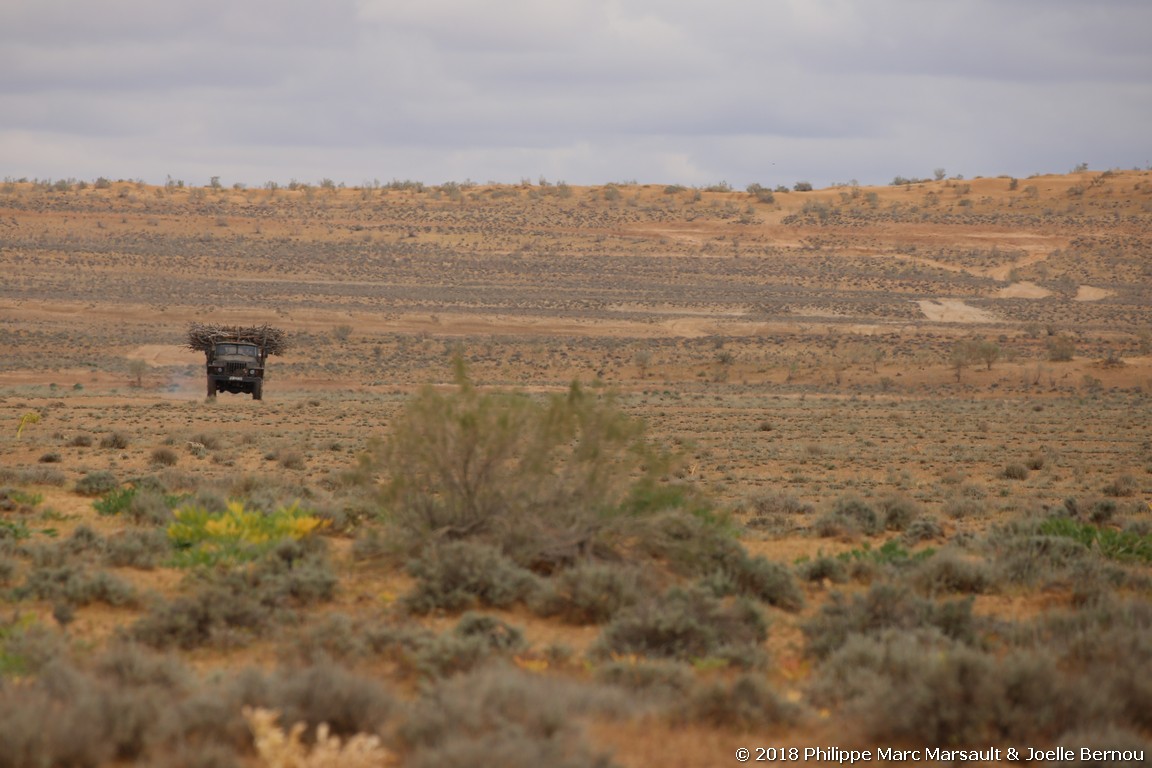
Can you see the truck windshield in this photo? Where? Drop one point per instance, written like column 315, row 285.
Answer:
column 236, row 349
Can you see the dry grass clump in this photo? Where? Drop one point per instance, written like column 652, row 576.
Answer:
column 278, row 749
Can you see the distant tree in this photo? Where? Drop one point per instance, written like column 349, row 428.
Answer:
column 939, row 173
column 962, row 355
column 802, row 186
column 987, row 352
column 138, row 368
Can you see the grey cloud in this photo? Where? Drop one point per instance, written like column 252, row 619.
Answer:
column 587, row 90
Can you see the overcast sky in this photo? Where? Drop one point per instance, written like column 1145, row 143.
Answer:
column 585, row 91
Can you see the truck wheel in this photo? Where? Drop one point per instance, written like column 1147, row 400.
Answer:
column 211, row 389
column 258, row 391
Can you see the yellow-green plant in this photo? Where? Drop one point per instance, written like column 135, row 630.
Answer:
column 236, row 534
column 32, row 417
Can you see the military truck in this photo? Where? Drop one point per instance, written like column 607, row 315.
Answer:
column 235, row 356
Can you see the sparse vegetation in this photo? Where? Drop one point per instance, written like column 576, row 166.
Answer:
column 839, row 414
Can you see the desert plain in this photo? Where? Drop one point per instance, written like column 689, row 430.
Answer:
column 905, row 458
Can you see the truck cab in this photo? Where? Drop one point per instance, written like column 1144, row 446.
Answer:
column 236, row 367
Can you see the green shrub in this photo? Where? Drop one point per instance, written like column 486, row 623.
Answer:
column 116, row 440
column 548, row 482
column 1109, row 542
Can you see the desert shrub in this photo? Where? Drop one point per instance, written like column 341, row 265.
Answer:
column 687, row 624
column 475, row 639
column 326, row 692
column 925, row 688
column 80, row 441
column 510, row 718
column 114, row 501
column 150, row 507
column 897, row 512
column 1122, row 486
column 372, row 544
column 961, row 507
column 884, row 606
column 97, row 483
column 38, row 475
column 52, row 457
column 746, row 703
column 704, row 547
column 823, row 568
column 26, row 646
column 164, row 457
column 463, row 574
column 923, row 529
column 8, row 568
column 590, row 593
column 116, row 440
column 76, row 585
column 143, row 549
column 1015, row 472
column 548, row 482
column 949, row 571
column 230, row 606
column 758, row 577
column 661, row 682
column 1029, row 558
column 143, row 503
column 849, row 515
column 39, row 726
column 1061, row 349
column 209, row 440
column 777, row 512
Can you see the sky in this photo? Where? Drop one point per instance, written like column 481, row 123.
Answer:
column 693, row 92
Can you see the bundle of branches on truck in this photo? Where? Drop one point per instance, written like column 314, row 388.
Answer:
column 235, row 355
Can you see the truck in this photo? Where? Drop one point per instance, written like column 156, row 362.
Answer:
column 235, row 356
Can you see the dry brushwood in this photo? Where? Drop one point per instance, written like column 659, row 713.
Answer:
column 278, row 749
column 202, row 337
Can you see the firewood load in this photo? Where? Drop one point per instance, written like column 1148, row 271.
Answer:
column 203, row 337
